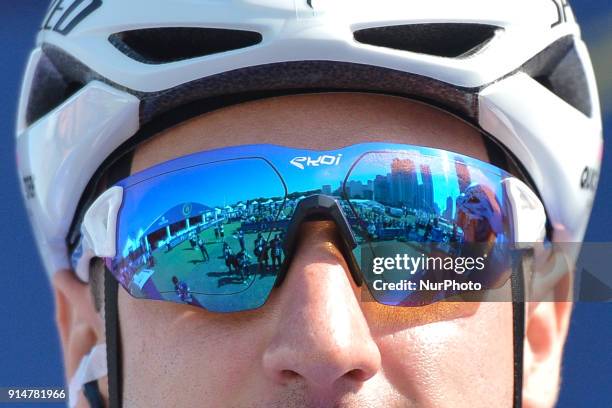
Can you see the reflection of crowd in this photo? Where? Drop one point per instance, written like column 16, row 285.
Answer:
column 238, row 262
column 262, row 249
column 424, row 228
column 478, row 219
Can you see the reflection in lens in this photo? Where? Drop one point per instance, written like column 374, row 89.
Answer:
column 202, row 235
column 422, row 219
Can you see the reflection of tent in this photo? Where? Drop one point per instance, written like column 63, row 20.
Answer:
column 374, row 205
column 177, row 213
column 173, row 220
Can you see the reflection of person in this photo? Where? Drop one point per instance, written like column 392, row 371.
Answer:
column 182, row 290
column 276, row 251
column 479, row 214
column 261, row 252
column 222, row 231
column 203, row 250
column 258, row 243
column 427, row 231
column 371, row 229
column 316, row 343
column 242, row 259
column 228, row 256
column 240, row 237
column 216, row 233
column 149, row 260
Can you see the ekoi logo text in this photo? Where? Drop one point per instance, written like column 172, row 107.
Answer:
column 301, row 162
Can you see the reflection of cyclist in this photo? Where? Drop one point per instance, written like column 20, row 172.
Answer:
column 203, row 249
column 182, row 290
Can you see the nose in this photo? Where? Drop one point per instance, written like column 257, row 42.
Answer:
column 322, row 337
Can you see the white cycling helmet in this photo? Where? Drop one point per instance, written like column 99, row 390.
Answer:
column 107, row 73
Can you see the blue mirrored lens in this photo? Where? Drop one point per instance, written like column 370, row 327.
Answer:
column 202, row 235
column 424, row 218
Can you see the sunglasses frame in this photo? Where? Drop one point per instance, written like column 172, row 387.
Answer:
column 99, row 228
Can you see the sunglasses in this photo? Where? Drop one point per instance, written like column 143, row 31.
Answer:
column 218, row 229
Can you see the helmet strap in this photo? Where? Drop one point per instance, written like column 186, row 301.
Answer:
column 518, row 327
column 113, row 339
column 91, row 368
column 91, row 390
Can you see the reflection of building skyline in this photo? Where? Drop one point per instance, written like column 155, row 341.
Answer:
column 426, row 197
column 411, row 186
column 400, row 187
column 404, row 188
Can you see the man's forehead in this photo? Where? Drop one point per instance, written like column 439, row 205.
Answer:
column 314, row 121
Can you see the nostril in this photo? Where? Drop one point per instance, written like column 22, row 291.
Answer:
column 288, row 375
column 357, row 375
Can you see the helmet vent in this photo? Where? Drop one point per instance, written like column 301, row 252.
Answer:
column 560, row 70
column 450, row 40
column 164, row 45
column 49, row 89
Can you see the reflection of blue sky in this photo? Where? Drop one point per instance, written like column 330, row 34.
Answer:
column 214, row 185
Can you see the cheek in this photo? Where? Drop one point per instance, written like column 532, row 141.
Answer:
column 170, row 350
column 465, row 361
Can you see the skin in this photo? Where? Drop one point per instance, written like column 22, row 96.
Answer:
column 314, row 343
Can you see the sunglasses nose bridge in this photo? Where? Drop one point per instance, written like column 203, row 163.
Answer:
column 321, row 207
